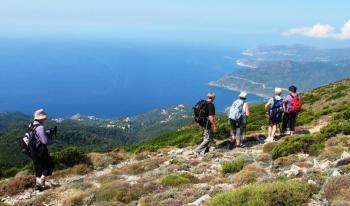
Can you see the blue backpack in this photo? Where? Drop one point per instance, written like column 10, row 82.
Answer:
column 276, row 110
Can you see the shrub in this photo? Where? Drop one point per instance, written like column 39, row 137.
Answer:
column 177, row 179
column 337, row 188
column 121, row 191
column 245, row 177
column 234, row 166
column 69, row 157
column 80, row 169
column 268, row 147
column 287, row 193
column 17, row 185
column 312, row 144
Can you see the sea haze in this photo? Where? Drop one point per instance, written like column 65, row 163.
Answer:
column 109, row 79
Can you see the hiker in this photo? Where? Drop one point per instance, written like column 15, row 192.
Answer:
column 292, row 105
column 208, row 124
column 43, row 163
column 238, row 114
column 274, row 110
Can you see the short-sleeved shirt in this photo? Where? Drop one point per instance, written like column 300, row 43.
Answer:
column 210, row 112
column 288, row 103
column 211, row 109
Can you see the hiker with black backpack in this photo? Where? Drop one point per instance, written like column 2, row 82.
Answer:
column 34, row 144
column 274, row 110
column 292, row 104
column 204, row 115
column 238, row 113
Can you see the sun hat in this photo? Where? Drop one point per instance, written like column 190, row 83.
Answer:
column 278, row 91
column 211, row 95
column 243, row 95
column 40, row 114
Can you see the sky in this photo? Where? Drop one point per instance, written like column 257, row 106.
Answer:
column 250, row 22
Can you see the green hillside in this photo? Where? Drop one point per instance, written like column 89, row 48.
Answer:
column 319, row 103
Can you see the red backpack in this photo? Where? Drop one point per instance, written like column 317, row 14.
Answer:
column 296, row 104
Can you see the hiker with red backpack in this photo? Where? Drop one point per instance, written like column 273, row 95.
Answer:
column 292, row 105
column 274, row 110
column 204, row 115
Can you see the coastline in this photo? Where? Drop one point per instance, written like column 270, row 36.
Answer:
column 235, row 89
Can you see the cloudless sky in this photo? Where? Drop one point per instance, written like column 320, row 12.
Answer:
column 254, row 21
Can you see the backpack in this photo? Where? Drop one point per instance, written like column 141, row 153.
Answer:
column 236, row 110
column 296, row 104
column 275, row 112
column 27, row 143
column 200, row 112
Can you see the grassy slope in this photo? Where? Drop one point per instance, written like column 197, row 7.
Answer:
column 318, row 103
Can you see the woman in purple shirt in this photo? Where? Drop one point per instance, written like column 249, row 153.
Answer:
column 289, row 117
column 43, row 163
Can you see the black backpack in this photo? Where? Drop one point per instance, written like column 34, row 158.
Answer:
column 275, row 112
column 200, row 112
column 27, row 143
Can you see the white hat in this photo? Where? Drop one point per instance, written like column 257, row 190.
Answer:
column 278, row 90
column 243, row 95
column 40, row 114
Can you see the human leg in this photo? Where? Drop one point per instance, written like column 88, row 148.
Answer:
column 206, row 139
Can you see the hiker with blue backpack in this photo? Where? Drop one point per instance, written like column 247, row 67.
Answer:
column 292, row 105
column 204, row 115
column 238, row 113
column 274, row 109
column 34, row 144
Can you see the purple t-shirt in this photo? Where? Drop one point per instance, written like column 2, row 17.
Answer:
column 288, row 102
column 41, row 135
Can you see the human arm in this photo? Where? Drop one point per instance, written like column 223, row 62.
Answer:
column 247, row 110
column 212, row 121
column 268, row 104
column 42, row 135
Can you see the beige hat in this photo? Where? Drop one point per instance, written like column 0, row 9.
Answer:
column 243, row 95
column 40, row 114
column 211, row 94
column 278, row 91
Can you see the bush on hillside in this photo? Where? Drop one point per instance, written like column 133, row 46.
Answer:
column 17, row 185
column 174, row 179
column 235, row 166
column 69, row 157
column 337, row 188
column 287, row 193
column 311, row 144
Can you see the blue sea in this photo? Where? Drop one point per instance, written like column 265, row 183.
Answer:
column 111, row 78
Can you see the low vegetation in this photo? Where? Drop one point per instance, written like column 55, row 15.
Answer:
column 288, row 193
column 174, row 179
column 311, row 144
column 235, row 165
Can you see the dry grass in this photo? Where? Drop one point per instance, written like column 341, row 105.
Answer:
column 285, row 161
column 139, row 167
column 268, row 147
column 80, row 169
column 332, row 152
column 249, row 174
column 245, row 177
column 74, row 198
column 17, row 185
column 337, row 188
column 123, row 192
column 100, row 160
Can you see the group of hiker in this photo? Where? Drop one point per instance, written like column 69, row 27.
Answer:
column 278, row 109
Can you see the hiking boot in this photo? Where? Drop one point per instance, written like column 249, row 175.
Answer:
column 39, row 187
column 241, row 146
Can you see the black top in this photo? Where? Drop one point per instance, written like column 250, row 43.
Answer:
column 210, row 109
